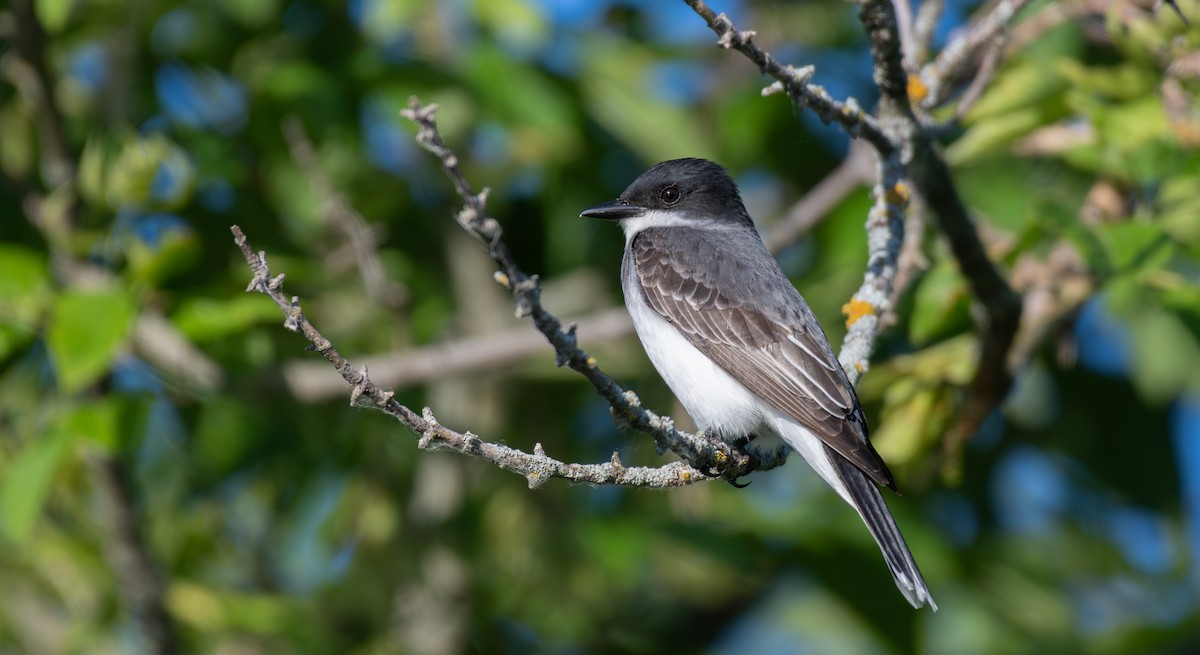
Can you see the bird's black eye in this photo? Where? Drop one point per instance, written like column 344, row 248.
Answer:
column 669, row 195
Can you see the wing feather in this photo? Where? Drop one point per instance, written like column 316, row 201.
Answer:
column 757, row 328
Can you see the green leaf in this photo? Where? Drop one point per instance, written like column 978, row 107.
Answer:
column 513, row 21
column 207, row 319
column 1179, row 198
column 95, row 421
column 541, row 116
column 53, row 14
column 1026, row 84
column 24, row 290
column 941, row 305
column 1124, row 82
column 176, row 250
column 988, row 186
column 655, row 130
column 1136, row 246
column 26, row 483
column 1166, row 355
column 132, row 175
column 86, row 333
column 16, row 142
column 250, row 13
column 93, row 164
column 992, row 135
column 902, row 427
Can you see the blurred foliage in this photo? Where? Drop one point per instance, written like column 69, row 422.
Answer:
column 281, row 525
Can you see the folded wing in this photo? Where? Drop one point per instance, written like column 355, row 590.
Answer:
column 749, row 319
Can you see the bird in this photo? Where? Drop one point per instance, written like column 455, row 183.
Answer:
column 738, row 345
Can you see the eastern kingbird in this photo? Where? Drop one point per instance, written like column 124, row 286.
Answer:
column 738, row 345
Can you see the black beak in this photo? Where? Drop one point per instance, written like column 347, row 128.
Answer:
column 613, row 211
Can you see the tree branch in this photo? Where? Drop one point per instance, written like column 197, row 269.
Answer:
column 795, row 82
column 928, row 171
column 361, row 239
column 936, row 75
column 31, row 46
column 138, row 579
column 311, row 381
column 536, row 467
column 854, row 171
column 928, row 15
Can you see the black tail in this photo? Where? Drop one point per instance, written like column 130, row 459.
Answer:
column 869, row 503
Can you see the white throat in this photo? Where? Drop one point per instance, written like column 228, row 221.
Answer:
column 652, row 218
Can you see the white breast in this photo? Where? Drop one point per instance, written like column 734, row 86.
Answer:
column 713, row 399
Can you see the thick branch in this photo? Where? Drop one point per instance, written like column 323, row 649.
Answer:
column 795, row 82
column 30, row 42
column 137, row 576
column 928, row 171
column 536, row 466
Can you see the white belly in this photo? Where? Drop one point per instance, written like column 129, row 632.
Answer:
column 713, row 399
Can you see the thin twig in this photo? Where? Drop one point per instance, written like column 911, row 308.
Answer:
column 311, row 381
column 854, row 171
column 928, row 16
column 361, row 238
column 795, row 82
column 536, row 467
column 907, row 32
column 982, row 78
column 949, row 63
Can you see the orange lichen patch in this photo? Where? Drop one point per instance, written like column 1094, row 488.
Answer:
column 916, row 89
column 898, row 194
column 856, row 309
column 858, row 366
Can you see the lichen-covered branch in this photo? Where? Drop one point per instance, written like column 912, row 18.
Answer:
column 885, row 235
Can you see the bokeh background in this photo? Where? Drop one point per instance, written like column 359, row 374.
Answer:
column 178, row 475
